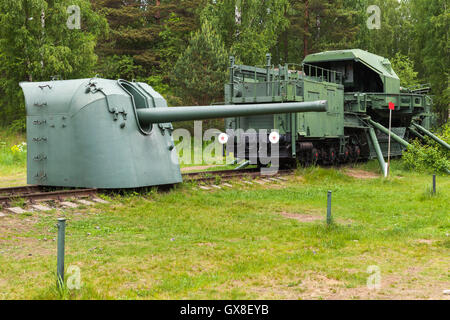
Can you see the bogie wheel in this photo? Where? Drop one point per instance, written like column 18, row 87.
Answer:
column 332, row 155
column 357, row 152
column 345, row 157
column 315, row 156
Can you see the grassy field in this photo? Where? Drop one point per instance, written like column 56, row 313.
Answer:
column 251, row 241
column 13, row 160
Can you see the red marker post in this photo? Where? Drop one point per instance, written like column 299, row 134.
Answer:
column 391, row 107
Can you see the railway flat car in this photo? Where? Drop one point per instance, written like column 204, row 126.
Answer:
column 359, row 87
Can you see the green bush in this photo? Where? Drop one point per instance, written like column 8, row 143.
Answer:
column 18, row 126
column 430, row 156
column 13, row 151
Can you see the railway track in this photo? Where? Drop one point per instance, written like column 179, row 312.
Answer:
column 208, row 176
column 35, row 193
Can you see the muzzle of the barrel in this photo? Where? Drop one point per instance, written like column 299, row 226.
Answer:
column 174, row 114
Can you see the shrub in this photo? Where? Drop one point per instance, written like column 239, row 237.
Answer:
column 9, row 156
column 430, row 156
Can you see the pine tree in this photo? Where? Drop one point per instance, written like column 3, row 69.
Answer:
column 200, row 72
column 316, row 25
column 417, row 29
column 152, row 32
column 431, row 21
column 395, row 32
column 248, row 28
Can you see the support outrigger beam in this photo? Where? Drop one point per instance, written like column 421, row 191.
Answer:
column 386, row 131
column 401, row 141
column 432, row 136
column 417, row 134
column 377, row 148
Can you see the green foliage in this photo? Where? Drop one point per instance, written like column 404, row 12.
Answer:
column 36, row 44
column 17, row 126
column 145, row 39
column 12, row 154
column 430, row 156
column 13, row 158
column 158, row 84
column 431, row 24
column 174, row 39
column 119, row 67
column 257, row 30
column 200, row 72
column 316, row 25
column 417, row 29
column 395, row 34
column 404, row 68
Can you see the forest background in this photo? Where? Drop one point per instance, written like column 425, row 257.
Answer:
column 182, row 47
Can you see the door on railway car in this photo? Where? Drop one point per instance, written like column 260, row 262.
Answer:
column 320, row 124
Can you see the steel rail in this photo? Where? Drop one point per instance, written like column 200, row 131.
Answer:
column 44, row 196
column 33, row 193
column 206, row 176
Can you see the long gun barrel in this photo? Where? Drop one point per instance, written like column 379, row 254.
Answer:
column 162, row 115
column 432, row 136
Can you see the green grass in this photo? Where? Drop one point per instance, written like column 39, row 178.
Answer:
column 235, row 244
column 208, row 156
column 12, row 164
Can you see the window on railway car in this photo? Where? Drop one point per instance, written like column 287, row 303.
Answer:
column 366, row 80
column 357, row 76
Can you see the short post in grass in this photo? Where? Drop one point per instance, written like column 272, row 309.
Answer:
column 60, row 257
column 434, row 184
column 329, row 220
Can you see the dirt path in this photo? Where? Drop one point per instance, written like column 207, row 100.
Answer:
column 361, row 174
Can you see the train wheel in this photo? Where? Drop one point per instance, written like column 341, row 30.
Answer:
column 315, row 156
column 345, row 156
column 324, row 156
column 332, row 155
column 357, row 152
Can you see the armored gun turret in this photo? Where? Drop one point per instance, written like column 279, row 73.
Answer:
column 98, row 133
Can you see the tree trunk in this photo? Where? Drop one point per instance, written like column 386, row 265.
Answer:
column 158, row 13
column 286, row 41
column 305, row 35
